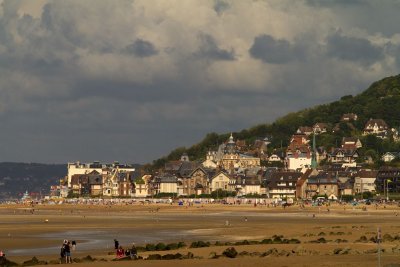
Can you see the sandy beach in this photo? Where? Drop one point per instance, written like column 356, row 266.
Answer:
column 27, row 231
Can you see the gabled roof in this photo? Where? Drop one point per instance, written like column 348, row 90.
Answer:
column 304, row 177
column 173, row 165
column 216, row 174
column 394, row 154
column 366, row 174
column 379, row 122
column 289, row 179
column 268, row 172
column 286, row 176
column 345, row 152
column 187, row 168
column 252, row 181
column 323, row 178
column 304, row 130
column 166, row 178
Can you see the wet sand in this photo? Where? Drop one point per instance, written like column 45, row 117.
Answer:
column 23, row 234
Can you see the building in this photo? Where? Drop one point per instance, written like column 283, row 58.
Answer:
column 210, row 161
column 282, row 185
column 251, row 186
column 376, row 127
column 84, row 168
column 298, row 153
column 141, row 186
column 347, row 117
column 305, row 130
column 364, row 181
column 388, row 180
column 323, row 184
column 232, row 160
column 167, row 184
column 221, row 181
column 196, row 183
column 351, row 143
column 301, row 184
column 340, row 155
column 110, row 183
column 389, row 156
column 320, row 128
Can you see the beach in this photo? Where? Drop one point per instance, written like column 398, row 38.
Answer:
column 27, row 231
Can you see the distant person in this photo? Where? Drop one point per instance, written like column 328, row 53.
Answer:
column 62, row 251
column 133, row 252
column 3, row 260
column 116, row 244
column 68, row 253
column 73, row 245
column 120, row 252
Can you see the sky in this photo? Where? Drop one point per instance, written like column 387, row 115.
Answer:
column 130, row 80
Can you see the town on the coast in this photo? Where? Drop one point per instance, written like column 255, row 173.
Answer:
column 302, row 170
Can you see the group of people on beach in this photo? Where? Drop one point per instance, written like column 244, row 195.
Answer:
column 121, row 253
column 65, row 252
column 2, row 258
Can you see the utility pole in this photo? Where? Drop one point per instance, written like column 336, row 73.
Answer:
column 378, row 241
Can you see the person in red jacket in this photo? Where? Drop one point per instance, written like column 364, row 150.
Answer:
column 120, row 252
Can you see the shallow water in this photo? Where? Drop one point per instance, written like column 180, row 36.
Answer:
column 102, row 239
column 99, row 239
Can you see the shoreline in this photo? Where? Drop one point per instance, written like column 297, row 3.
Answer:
column 204, row 222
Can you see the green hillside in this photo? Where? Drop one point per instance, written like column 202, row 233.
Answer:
column 380, row 101
column 16, row 178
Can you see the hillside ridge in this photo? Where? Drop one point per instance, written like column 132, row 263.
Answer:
column 381, row 100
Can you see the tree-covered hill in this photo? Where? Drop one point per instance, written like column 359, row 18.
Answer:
column 380, row 101
column 16, row 178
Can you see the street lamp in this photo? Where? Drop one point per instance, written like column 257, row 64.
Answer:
column 387, row 188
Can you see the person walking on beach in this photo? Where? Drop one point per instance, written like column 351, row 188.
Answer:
column 116, row 244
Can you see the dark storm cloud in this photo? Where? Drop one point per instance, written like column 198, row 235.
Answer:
column 274, row 51
column 141, row 48
column 220, row 6
column 375, row 17
column 353, row 49
column 209, row 49
column 68, row 90
column 394, row 51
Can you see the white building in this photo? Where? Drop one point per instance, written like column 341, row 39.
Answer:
column 364, row 181
column 142, row 187
column 220, row 181
column 389, row 156
column 252, row 186
column 299, row 162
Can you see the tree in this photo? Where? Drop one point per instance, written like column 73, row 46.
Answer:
column 219, row 193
